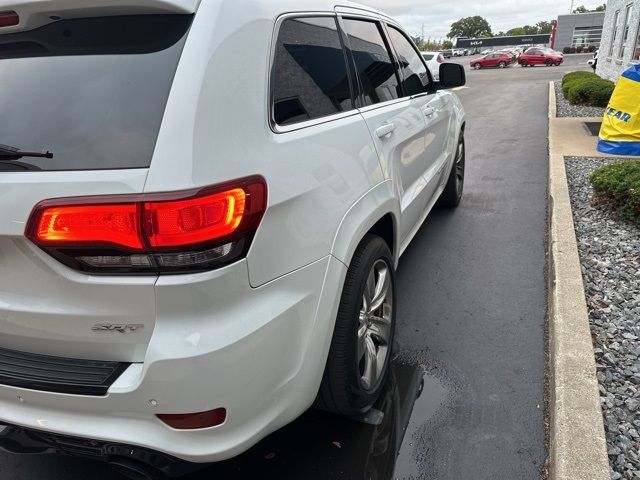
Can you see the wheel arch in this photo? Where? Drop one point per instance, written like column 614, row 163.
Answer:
column 376, row 212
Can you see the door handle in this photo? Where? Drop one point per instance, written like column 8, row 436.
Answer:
column 384, row 130
column 429, row 111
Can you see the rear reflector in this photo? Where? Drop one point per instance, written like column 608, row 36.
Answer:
column 9, row 19
column 163, row 232
column 195, row 421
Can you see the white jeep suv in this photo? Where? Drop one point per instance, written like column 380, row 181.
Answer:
column 202, row 208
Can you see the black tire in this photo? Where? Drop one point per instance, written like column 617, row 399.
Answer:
column 452, row 194
column 342, row 391
column 502, row 65
column 549, row 63
column 524, row 63
column 477, row 66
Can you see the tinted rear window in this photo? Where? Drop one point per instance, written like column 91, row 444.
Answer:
column 92, row 91
column 310, row 78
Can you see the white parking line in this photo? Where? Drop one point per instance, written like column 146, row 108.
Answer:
column 459, row 88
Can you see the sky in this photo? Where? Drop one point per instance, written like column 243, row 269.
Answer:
column 438, row 15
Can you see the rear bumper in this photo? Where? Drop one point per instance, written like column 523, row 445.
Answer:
column 259, row 353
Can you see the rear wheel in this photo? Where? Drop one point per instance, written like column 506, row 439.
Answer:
column 524, row 63
column 452, row 194
column 549, row 63
column 360, row 353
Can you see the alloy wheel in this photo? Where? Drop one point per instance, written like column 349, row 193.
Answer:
column 459, row 166
column 374, row 331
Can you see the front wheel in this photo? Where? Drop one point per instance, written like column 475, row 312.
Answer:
column 452, row 194
column 360, row 352
column 549, row 63
column 502, row 65
column 477, row 66
column 523, row 63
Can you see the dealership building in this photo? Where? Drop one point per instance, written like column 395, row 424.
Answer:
column 579, row 30
column 522, row 40
column 620, row 46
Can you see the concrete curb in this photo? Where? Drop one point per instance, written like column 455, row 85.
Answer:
column 577, row 446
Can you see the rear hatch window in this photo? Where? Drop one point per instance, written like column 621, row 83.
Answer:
column 92, row 91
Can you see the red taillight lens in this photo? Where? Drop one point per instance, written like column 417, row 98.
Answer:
column 195, row 421
column 116, row 224
column 9, row 19
column 161, row 233
column 187, row 222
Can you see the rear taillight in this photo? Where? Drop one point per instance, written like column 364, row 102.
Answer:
column 151, row 233
column 9, row 19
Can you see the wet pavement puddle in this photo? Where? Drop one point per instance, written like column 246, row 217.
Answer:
column 322, row 446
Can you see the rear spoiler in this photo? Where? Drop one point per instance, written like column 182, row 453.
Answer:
column 36, row 13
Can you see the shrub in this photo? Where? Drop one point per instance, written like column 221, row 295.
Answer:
column 565, row 50
column 586, row 88
column 618, row 186
column 576, row 75
column 592, row 48
column 580, row 49
column 573, row 50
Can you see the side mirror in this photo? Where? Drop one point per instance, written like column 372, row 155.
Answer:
column 452, row 75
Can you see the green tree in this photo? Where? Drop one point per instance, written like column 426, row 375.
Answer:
column 514, row 32
column 583, row 9
column 529, row 30
column 544, row 27
column 470, row 27
column 447, row 45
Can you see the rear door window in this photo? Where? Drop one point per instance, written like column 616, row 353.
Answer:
column 310, row 77
column 415, row 78
column 92, row 91
column 376, row 70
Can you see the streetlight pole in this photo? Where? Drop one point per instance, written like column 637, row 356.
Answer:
column 572, row 3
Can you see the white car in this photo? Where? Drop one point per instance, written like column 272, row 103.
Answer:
column 434, row 60
column 593, row 62
column 203, row 207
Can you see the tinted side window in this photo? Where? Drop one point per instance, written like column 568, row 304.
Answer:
column 310, row 73
column 373, row 61
column 414, row 72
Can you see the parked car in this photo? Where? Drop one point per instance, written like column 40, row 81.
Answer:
column 510, row 53
column 538, row 56
column 499, row 60
column 486, row 52
column 203, row 207
column 434, row 60
column 447, row 54
column 593, row 62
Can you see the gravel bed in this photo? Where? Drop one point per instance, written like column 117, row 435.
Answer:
column 610, row 256
column 565, row 109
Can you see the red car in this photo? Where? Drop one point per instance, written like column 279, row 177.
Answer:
column 496, row 59
column 540, row 56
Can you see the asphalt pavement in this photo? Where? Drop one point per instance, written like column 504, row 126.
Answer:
column 466, row 397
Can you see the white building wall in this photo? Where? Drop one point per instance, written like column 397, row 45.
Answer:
column 610, row 64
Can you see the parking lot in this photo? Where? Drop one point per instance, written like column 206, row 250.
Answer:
column 466, row 397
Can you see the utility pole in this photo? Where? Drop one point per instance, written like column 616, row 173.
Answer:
column 422, row 37
column 572, row 3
